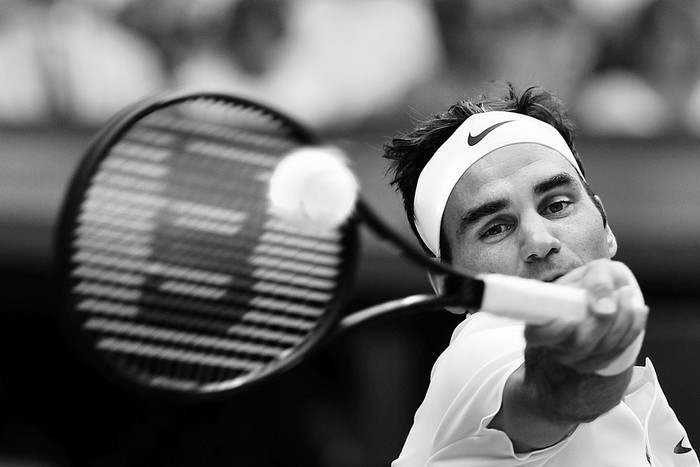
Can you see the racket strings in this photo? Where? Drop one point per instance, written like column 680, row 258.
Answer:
column 277, row 265
column 301, row 276
column 137, row 219
column 161, row 315
column 181, row 276
column 293, row 312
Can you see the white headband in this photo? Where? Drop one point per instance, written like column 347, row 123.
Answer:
column 479, row 135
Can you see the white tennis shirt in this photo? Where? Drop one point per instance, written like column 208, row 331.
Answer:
column 451, row 426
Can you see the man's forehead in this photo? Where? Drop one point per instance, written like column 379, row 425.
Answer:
column 525, row 162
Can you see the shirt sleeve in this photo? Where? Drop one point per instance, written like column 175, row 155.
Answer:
column 465, row 393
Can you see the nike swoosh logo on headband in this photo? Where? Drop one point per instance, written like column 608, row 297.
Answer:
column 474, row 140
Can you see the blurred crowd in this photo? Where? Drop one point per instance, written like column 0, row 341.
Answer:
column 626, row 67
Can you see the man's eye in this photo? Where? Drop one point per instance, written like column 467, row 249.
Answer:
column 557, row 207
column 495, row 230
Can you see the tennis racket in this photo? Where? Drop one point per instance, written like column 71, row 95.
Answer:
column 179, row 274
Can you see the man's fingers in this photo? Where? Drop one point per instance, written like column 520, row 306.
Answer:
column 630, row 299
column 601, row 281
column 599, row 340
column 550, row 334
column 616, row 317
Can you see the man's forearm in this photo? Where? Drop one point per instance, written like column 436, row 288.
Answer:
column 543, row 401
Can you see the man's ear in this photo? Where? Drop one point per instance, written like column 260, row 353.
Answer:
column 437, row 281
column 609, row 235
column 612, row 241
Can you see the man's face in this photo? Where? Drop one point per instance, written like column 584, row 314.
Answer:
column 523, row 210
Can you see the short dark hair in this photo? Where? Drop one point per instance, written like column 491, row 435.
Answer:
column 410, row 152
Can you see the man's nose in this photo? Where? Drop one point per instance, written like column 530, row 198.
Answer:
column 537, row 240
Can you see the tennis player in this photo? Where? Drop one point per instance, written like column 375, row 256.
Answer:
column 495, row 185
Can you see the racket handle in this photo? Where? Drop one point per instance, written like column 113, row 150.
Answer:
column 532, row 301
column 537, row 302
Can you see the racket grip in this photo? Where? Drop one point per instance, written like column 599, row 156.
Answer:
column 537, row 302
column 532, row 301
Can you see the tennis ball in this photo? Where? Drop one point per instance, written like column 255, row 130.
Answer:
column 312, row 188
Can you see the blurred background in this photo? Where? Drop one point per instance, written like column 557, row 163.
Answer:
column 357, row 72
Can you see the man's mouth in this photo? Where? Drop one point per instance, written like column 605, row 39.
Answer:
column 552, row 272
column 552, row 278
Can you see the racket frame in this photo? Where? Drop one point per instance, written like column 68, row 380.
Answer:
column 97, row 150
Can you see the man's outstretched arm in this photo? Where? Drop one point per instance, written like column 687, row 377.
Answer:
column 557, row 388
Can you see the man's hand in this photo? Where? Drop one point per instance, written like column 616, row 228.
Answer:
column 558, row 386
column 616, row 317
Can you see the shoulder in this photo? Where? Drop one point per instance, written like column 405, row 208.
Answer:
column 470, row 374
column 481, row 340
column 466, row 388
